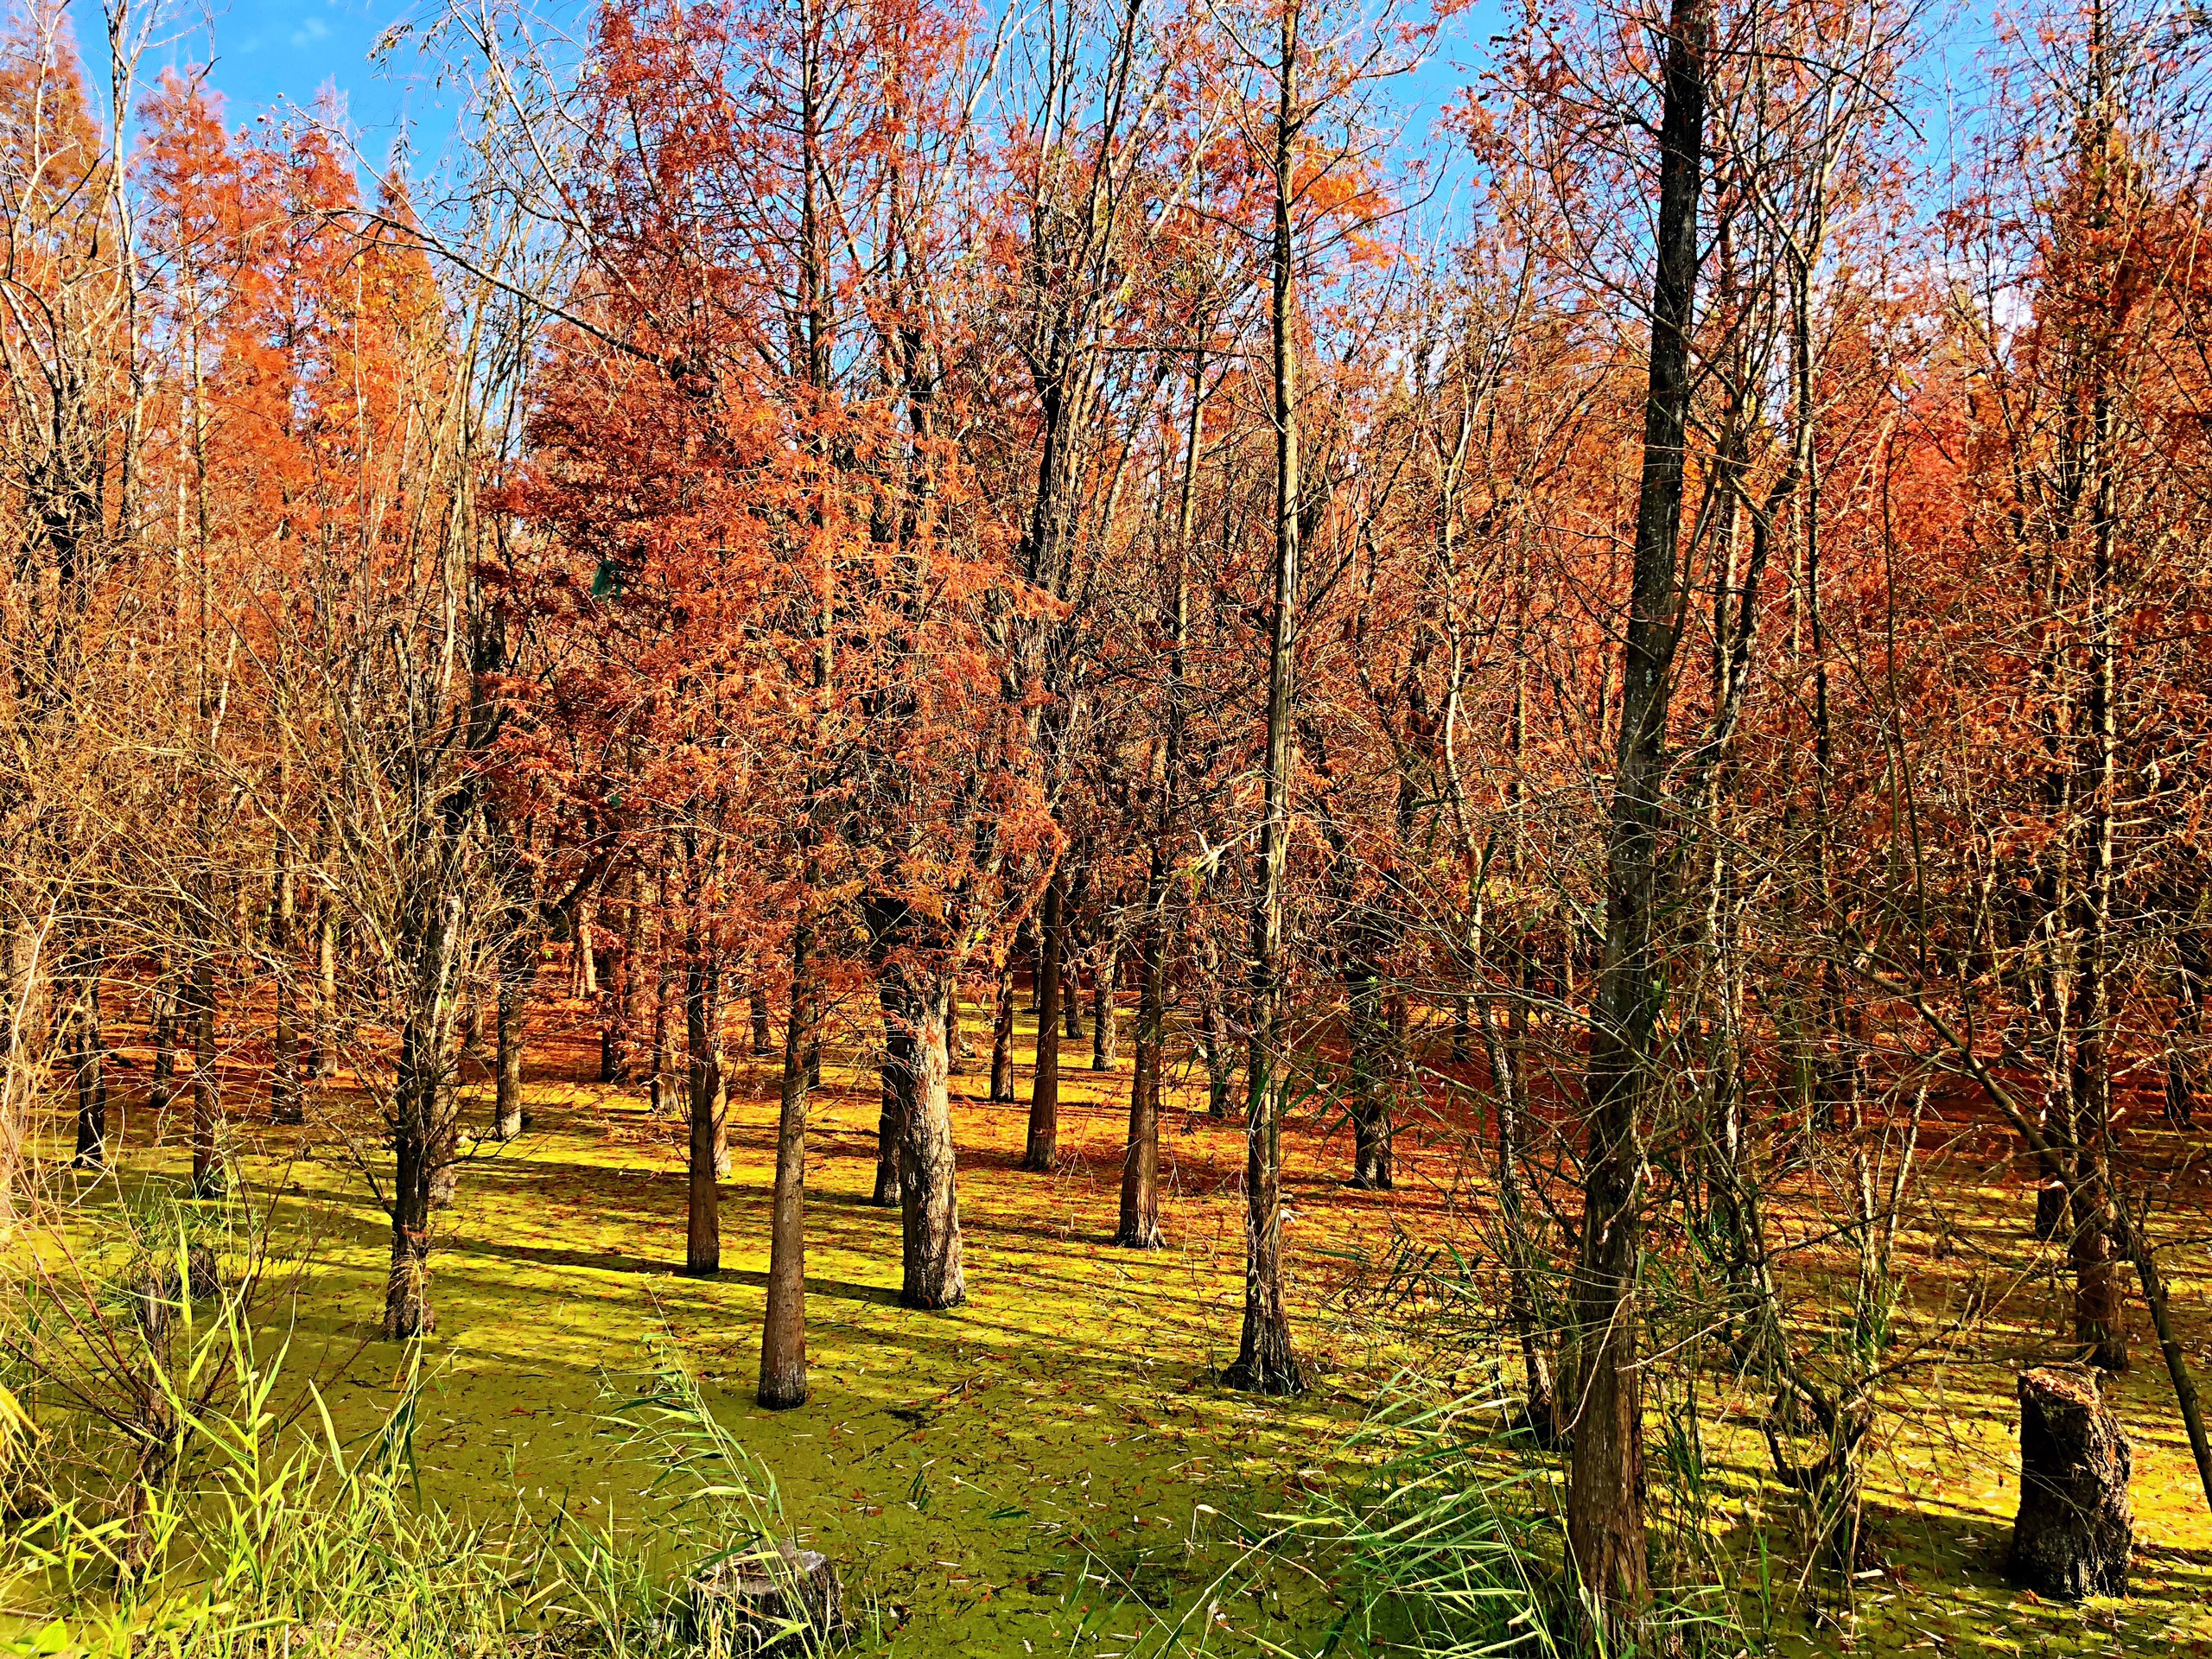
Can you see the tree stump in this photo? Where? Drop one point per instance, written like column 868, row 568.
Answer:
column 760, row 1606
column 2075, row 1527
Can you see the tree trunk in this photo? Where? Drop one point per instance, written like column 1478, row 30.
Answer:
column 2185, row 1035
column 1139, row 1226
column 617, row 1037
column 286, row 1104
column 1374, row 1076
column 703, row 1241
column 1045, row 1095
column 1002, row 1036
column 1105, row 1028
column 1264, row 1361
column 517, row 973
column 764, row 1040
column 2075, row 1527
column 207, row 1175
column 913, row 1013
column 1606, row 1524
column 587, row 961
column 889, row 1125
column 323, row 1062
column 422, row 1100
column 88, row 1044
column 667, row 999
column 163, row 1023
column 783, row 1332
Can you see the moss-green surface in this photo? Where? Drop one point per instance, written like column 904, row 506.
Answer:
column 1052, row 1468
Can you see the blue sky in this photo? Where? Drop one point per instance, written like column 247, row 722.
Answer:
column 269, row 54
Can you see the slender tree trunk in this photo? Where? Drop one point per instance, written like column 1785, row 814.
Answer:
column 407, row 1310
column 1374, row 1075
column 1002, row 1036
column 1045, row 1095
column 889, row 1125
column 703, row 1239
column 617, row 1037
column 954, row 1049
column 323, row 1061
column 162, row 1022
column 1105, row 1028
column 286, row 1104
column 667, row 999
column 764, row 1039
column 422, row 1125
column 1606, row 1524
column 207, row 1174
column 89, row 1044
column 1214, row 1042
column 1139, row 1223
column 518, row 974
column 587, row 959
column 2185, row 1035
column 1264, row 1361
column 2099, row 1325
column 783, row 1333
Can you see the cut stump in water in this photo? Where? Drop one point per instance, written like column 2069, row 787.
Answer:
column 2075, row 1528
column 752, row 1606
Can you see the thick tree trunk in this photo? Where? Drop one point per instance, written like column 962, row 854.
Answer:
column 1606, row 1524
column 1044, row 1092
column 2076, row 1526
column 933, row 1275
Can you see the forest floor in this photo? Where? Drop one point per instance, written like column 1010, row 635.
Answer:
column 1052, row 1468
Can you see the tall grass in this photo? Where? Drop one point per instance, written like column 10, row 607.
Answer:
column 257, row 1529
column 1453, row 1545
